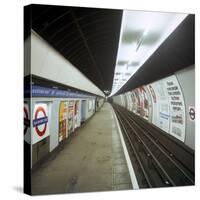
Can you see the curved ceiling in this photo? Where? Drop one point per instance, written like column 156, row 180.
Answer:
column 87, row 37
column 175, row 53
column 142, row 32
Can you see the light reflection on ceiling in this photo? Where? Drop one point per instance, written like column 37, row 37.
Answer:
column 141, row 34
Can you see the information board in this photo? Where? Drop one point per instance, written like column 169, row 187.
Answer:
column 177, row 108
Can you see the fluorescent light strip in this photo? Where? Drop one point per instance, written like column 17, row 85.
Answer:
column 143, row 50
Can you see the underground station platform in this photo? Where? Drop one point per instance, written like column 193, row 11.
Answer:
column 109, row 99
column 93, row 160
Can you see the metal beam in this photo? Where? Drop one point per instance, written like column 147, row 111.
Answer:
column 87, row 46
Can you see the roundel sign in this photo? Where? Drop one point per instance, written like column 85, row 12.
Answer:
column 26, row 119
column 27, row 135
column 192, row 113
column 40, row 122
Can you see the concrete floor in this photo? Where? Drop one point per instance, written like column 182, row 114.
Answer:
column 92, row 161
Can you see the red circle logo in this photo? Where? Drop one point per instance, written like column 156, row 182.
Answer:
column 40, row 132
column 25, row 120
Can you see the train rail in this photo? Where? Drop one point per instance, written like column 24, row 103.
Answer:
column 158, row 159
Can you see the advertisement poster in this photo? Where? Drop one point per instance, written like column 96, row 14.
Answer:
column 90, row 105
column 149, row 103
column 137, row 100
column 163, row 105
column 130, row 102
column 154, row 103
column 71, row 116
column 77, row 120
column 93, row 105
column 144, row 103
column 134, row 100
column 168, row 106
column 40, row 122
column 177, row 108
column 160, row 102
column 122, row 100
column 63, row 120
column 140, row 101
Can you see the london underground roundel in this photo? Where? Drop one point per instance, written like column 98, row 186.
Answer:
column 27, row 134
column 40, row 122
column 192, row 113
column 26, row 120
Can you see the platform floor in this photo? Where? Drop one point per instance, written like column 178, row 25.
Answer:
column 92, row 161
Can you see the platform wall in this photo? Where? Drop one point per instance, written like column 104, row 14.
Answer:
column 41, row 146
column 166, row 103
column 46, row 62
column 186, row 79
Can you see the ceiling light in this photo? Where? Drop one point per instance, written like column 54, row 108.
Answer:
column 146, row 31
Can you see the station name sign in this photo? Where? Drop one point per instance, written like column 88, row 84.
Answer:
column 39, row 91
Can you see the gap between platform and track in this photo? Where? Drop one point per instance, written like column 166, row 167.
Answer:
column 128, row 161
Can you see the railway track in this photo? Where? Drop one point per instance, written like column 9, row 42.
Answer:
column 158, row 159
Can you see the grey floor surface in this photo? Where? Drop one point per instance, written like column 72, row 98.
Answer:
column 92, row 161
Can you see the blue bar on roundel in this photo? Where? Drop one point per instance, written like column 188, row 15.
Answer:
column 40, row 121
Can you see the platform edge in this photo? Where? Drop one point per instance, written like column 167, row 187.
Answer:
column 128, row 161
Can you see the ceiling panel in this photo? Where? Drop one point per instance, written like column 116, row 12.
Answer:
column 87, row 37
